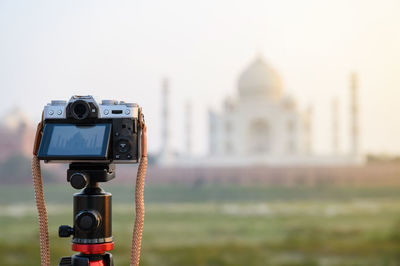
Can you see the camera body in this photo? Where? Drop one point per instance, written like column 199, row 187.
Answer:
column 81, row 130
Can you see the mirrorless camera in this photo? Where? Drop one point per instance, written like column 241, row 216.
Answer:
column 81, row 130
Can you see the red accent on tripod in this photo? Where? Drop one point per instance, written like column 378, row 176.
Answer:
column 93, row 248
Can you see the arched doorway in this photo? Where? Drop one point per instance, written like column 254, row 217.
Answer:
column 259, row 137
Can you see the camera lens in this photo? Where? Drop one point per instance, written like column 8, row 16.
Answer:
column 80, row 110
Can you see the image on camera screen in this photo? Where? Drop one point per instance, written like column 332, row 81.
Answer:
column 75, row 141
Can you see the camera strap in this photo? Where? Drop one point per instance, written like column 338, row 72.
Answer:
column 139, row 201
column 39, row 199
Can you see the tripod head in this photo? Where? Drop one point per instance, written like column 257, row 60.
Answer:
column 82, row 174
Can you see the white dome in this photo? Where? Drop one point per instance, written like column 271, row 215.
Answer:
column 260, row 80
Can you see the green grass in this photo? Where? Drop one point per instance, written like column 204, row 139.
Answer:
column 224, row 225
column 205, row 193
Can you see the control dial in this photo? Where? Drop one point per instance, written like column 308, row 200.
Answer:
column 123, row 145
column 87, row 220
column 78, row 180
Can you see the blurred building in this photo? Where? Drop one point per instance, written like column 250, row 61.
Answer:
column 263, row 126
column 166, row 155
column 16, row 134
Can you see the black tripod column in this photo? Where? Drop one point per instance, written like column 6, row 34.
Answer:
column 92, row 235
column 92, row 216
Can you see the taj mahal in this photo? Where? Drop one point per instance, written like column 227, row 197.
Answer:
column 265, row 126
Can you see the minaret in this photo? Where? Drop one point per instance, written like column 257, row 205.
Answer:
column 354, row 130
column 212, row 132
column 165, row 145
column 308, row 129
column 335, row 126
column 188, row 127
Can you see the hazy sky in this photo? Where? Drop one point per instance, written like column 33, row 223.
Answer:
column 121, row 49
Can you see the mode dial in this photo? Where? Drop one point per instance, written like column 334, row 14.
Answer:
column 57, row 102
column 109, row 102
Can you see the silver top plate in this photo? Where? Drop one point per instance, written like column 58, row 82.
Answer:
column 107, row 110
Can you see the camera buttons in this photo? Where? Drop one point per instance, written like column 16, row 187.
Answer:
column 51, row 112
column 106, row 112
column 59, row 112
column 127, row 111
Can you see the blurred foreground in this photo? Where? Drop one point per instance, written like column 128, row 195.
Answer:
column 224, row 224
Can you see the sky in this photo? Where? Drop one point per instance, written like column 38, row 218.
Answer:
column 122, row 49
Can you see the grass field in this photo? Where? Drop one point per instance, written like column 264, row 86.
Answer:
column 223, row 225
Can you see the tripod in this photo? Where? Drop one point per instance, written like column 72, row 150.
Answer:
column 92, row 216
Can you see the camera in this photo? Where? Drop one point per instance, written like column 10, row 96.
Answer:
column 81, row 130
column 92, row 138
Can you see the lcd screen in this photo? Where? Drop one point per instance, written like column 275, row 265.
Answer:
column 66, row 141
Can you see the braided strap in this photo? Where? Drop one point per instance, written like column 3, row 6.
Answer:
column 42, row 212
column 139, row 220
